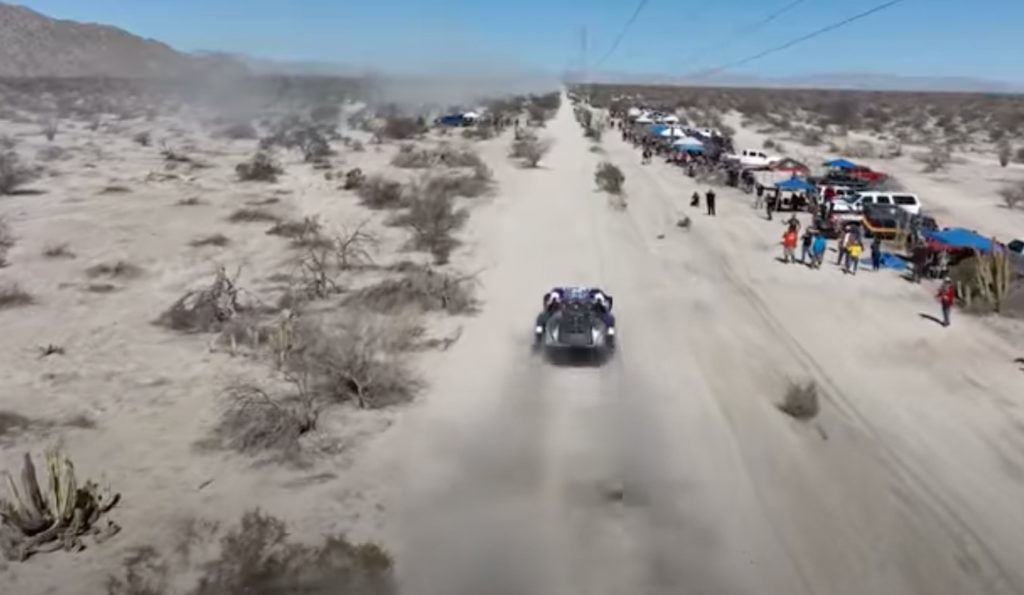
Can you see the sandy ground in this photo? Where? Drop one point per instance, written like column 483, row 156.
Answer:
column 668, row 470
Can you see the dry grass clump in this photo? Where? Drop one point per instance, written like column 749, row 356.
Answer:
column 530, row 150
column 14, row 175
column 609, row 178
column 115, row 189
column 55, row 516
column 421, row 288
column 192, row 201
column 217, row 239
column 13, row 296
column 252, row 216
column 378, row 192
column 118, row 270
column 801, row 401
column 258, row 557
column 261, row 168
column 433, row 217
column 143, row 138
column 61, row 250
column 207, row 309
column 353, row 246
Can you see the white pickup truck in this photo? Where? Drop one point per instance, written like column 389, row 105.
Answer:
column 750, row 158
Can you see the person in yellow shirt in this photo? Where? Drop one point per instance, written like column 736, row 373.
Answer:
column 853, row 252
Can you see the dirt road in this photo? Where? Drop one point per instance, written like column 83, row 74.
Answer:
column 669, row 470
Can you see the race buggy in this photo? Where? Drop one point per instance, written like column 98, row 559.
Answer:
column 576, row 322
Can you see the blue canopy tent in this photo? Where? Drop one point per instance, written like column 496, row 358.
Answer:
column 657, row 129
column 841, row 164
column 958, row 238
column 795, row 184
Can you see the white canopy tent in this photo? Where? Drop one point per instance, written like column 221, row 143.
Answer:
column 670, row 119
column 643, row 119
column 634, row 112
column 673, row 133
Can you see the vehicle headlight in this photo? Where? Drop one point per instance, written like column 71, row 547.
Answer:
column 611, row 331
column 539, row 329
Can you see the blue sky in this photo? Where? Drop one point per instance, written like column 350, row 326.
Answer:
column 918, row 37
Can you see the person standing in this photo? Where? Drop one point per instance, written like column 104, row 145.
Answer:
column 818, row 250
column 709, row 198
column 805, row 245
column 876, row 253
column 789, row 245
column 853, row 252
column 946, row 295
column 844, row 241
column 695, row 199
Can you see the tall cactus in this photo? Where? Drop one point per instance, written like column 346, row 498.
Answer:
column 992, row 276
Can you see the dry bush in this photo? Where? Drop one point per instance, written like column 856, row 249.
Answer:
column 433, row 218
column 1012, row 196
column 207, row 309
column 466, row 185
column 811, row 137
column 13, row 423
column 530, row 150
column 402, row 128
column 354, row 179
column 305, row 233
column 352, row 247
column 13, row 296
column 50, row 130
column 378, row 192
column 252, row 216
column 7, row 241
column 420, row 288
column 768, row 144
column 118, row 270
column 192, row 201
column 34, row 520
column 143, row 138
column 1005, row 153
column 218, row 239
column 14, row 175
column 316, row 270
column 115, row 189
column 801, row 401
column 61, row 250
column 445, row 155
column 261, row 168
column 257, row 558
column 609, row 178
column 936, row 159
column 51, row 153
column 359, row 358
column 239, row 131
column 256, row 424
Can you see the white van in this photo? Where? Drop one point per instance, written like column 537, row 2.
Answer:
column 904, row 200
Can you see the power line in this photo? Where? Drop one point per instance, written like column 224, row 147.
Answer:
column 622, row 34
column 752, row 28
column 798, row 40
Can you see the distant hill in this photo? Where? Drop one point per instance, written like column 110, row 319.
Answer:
column 34, row 45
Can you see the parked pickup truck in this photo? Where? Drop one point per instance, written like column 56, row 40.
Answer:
column 749, row 158
column 905, row 200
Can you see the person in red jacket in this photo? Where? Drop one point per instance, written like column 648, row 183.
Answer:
column 946, row 295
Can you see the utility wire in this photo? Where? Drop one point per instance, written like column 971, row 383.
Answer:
column 747, row 30
column 622, row 34
column 798, row 40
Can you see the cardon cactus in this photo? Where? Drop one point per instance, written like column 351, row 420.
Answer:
column 992, row 279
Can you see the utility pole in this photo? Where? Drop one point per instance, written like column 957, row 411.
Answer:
column 583, row 61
